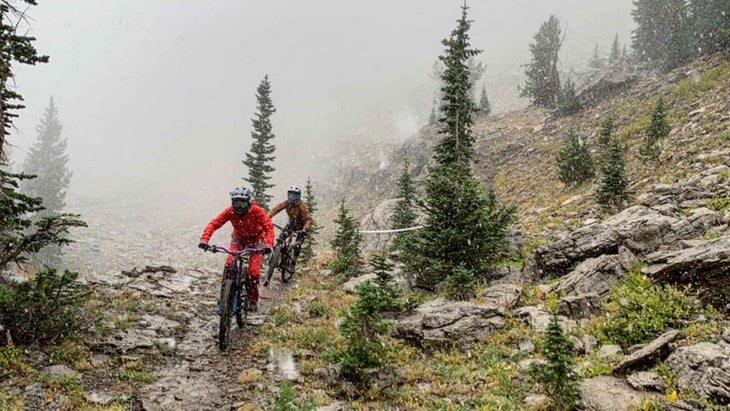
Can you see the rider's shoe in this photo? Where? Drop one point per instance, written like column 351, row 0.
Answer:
column 253, row 307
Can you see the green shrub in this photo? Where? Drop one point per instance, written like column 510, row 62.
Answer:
column 461, row 284
column 317, row 308
column 720, row 204
column 575, row 163
column 46, row 308
column 287, row 400
column 638, row 311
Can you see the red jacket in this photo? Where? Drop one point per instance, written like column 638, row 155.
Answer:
column 255, row 225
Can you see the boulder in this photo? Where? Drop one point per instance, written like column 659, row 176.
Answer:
column 703, row 368
column 350, row 285
column 501, row 295
column 609, row 351
column 646, row 381
column 580, row 306
column 538, row 319
column 449, row 321
column 706, row 266
column 659, row 348
column 606, row 393
column 596, row 275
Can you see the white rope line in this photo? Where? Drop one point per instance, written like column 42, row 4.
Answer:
column 399, row 230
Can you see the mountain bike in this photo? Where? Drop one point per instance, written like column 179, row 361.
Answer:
column 282, row 254
column 234, row 292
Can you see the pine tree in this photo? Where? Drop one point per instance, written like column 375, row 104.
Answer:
column 542, row 84
column 595, row 61
column 14, row 48
column 404, row 215
column 604, row 135
column 484, row 108
column 568, row 102
column 48, row 160
column 558, row 376
column 364, row 330
column 657, row 129
column 308, row 247
column 575, row 163
column 262, row 150
column 615, row 52
column 613, row 191
column 711, row 25
column 662, row 37
column 462, row 227
column 346, row 244
column 386, row 286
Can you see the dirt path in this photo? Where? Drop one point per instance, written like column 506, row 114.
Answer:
column 193, row 373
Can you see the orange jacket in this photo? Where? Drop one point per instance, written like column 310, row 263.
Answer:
column 255, row 225
column 298, row 214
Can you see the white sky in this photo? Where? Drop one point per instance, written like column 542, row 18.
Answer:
column 159, row 93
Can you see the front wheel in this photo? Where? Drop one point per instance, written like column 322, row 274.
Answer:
column 286, row 275
column 273, row 262
column 242, row 313
column 224, row 326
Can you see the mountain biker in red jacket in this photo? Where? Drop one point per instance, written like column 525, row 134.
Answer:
column 299, row 220
column 252, row 228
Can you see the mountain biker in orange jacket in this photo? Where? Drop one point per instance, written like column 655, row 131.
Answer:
column 299, row 219
column 251, row 228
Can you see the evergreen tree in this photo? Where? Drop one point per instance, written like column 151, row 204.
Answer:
column 390, row 291
column 604, row 135
column 575, row 163
column 613, row 191
column 308, row 247
column 364, row 330
column 404, row 215
column 48, row 160
column 558, row 376
column 542, row 84
column 14, row 48
column 657, row 129
column 346, row 244
column 662, row 37
column 711, row 25
column 462, row 227
column 615, row 51
column 568, row 102
column 484, row 108
column 595, row 61
column 262, row 150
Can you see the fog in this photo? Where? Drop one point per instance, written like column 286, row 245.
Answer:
column 156, row 96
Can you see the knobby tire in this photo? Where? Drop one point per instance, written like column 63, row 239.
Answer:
column 224, row 327
column 286, row 275
column 242, row 313
column 273, row 263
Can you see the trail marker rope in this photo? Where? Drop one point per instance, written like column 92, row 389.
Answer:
column 399, row 230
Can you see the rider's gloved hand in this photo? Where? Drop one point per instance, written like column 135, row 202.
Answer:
column 302, row 234
column 267, row 250
column 204, row 246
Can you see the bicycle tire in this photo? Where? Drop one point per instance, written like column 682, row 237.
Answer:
column 242, row 313
column 286, row 275
column 224, row 326
column 273, row 263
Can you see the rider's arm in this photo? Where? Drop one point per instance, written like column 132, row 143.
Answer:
column 215, row 224
column 305, row 215
column 267, row 226
column 277, row 209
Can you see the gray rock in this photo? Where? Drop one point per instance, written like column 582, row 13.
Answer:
column 589, row 342
column 61, row 371
column 609, row 351
column 526, row 346
column 646, row 380
column 537, row 401
column 606, row 393
column 442, row 321
column 659, row 348
column 100, row 398
column 703, row 368
column 596, row 275
column 352, row 283
column 580, row 306
column 525, row 365
column 501, row 295
column 97, row 360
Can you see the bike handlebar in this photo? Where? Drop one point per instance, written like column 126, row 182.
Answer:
column 218, row 248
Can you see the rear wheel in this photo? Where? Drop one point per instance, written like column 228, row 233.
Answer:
column 224, row 326
column 273, row 262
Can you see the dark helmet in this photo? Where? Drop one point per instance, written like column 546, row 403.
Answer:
column 293, row 194
column 241, row 198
